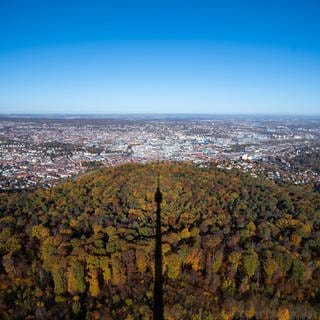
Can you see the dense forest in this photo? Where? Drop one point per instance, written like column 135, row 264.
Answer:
column 234, row 246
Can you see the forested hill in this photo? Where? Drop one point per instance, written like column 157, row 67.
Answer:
column 234, row 247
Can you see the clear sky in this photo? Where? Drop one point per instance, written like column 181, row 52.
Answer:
column 117, row 56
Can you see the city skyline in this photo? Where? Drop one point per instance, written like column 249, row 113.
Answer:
column 177, row 57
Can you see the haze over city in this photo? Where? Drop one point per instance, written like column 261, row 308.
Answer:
column 257, row 57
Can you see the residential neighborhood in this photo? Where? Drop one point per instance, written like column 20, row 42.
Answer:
column 42, row 151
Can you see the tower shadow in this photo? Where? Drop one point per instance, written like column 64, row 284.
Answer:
column 158, row 281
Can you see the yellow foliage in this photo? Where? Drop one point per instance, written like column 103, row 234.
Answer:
column 93, row 282
column 250, row 311
column 251, row 227
column 172, row 238
column 40, row 232
column 270, row 266
column 141, row 260
column 8, row 264
column 135, row 213
column 185, row 233
column 235, row 258
column 97, row 228
column 283, row 313
column 225, row 315
column 307, row 228
column 194, row 232
column 295, row 239
column 121, row 230
column 75, row 276
column 60, row 299
column 48, row 252
column 187, row 217
column 93, row 261
column 166, row 248
column 286, row 221
column 250, row 263
column 173, row 263
column 227, row 283
column 76, row 298
column 66, row 231
column 196, row 316
column 58, row 279
column 111, row 230
column 104, row 265
column 217, row 262
column 194, row 259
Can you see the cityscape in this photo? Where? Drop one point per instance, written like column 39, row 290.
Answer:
column 45, row 150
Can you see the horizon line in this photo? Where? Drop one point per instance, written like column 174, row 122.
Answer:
column 153, row 113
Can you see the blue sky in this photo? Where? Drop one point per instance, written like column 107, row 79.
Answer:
column 160, row 56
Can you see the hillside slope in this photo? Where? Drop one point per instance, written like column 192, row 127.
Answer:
column 233, row 247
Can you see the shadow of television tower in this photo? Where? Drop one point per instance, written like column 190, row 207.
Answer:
column 158, row 280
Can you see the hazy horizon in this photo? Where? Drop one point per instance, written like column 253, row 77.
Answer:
column 128, row 115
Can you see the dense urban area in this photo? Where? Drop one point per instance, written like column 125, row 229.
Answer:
column 44, row 150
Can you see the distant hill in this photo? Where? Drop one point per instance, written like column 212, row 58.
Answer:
column 234, row 247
